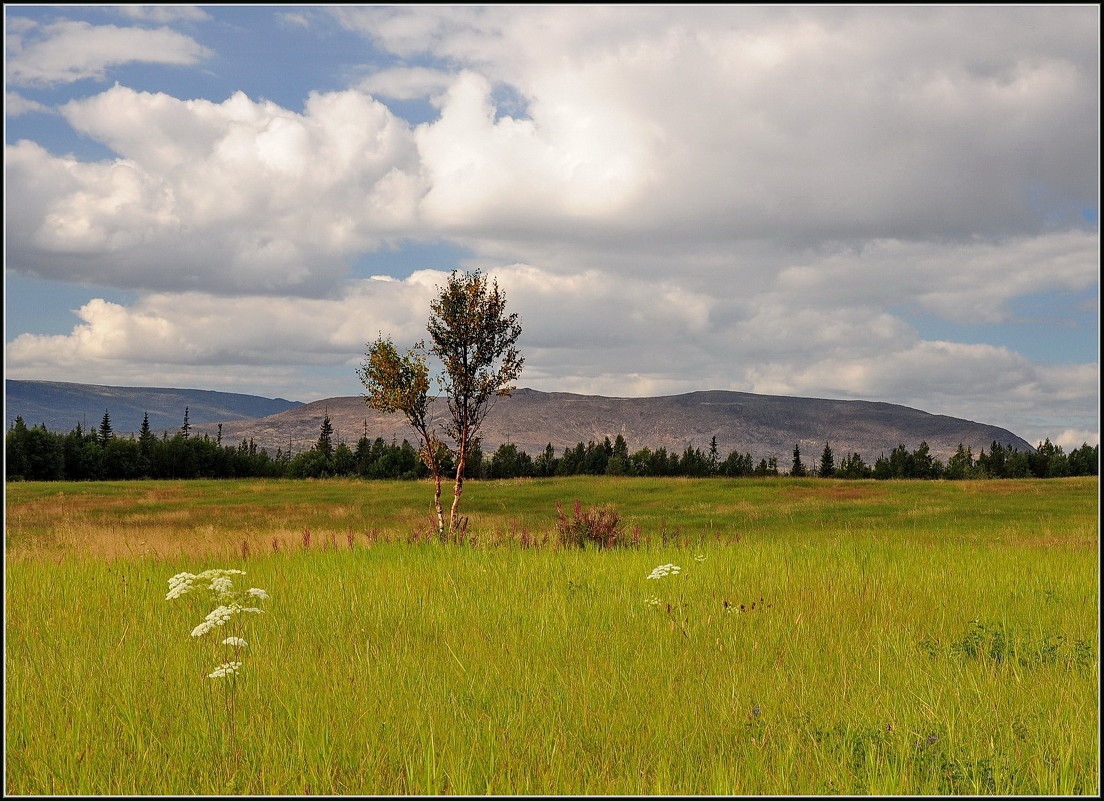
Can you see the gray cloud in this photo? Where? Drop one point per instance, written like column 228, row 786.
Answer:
column 678, row 198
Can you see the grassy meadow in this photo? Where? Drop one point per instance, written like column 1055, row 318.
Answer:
column 820, row 637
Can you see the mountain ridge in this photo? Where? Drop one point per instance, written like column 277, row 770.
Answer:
column 60, row 405
column 762, row 425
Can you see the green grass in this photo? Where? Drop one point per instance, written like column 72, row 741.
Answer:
column 906, row 638
column 172, row 518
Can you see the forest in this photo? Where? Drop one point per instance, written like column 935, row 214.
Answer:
column 36, row 454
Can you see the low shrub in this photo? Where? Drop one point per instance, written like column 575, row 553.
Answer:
column 597, row 525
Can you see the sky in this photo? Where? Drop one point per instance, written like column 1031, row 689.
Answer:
column 882, row 203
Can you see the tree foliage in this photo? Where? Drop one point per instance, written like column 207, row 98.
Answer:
column 400, row 383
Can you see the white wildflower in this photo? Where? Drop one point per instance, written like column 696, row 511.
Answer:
column 665, row 570
column 178, row 590
column 217, row 617
column 179, row 584
column 699, row 557
column 230, row 602
column 220, row 614
column 652, row 601
column 221, row 585
column 216, row 572
column 225, row 669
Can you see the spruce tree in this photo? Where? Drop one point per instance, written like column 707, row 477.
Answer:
column 325, row 438
column 827, row 467
column 798, row 468
column 105, row 429
column 146, row 443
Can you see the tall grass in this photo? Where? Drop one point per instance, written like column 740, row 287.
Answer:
column 882, row 653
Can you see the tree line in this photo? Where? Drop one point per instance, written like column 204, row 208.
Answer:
column 36, row 454
column 614, row 459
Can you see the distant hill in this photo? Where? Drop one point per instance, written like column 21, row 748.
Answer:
column 60, row 406
column 763, row 425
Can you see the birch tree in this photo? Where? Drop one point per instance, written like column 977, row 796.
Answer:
column 475, row 339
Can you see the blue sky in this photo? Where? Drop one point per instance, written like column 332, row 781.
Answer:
column 895, row 204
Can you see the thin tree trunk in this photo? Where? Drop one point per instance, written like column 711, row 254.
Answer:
column 429, row 459
column 437, row 505
column 457, row 491
column 458, row 487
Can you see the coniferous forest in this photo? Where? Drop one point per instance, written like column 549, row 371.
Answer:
column 36, row 454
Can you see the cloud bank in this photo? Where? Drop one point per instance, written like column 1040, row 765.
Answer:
column 673, row 198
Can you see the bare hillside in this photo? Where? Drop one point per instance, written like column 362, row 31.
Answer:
column 762, row 425
column 60, row 406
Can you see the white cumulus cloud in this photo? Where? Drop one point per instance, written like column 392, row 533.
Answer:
column 69, row 50
column 239, row 196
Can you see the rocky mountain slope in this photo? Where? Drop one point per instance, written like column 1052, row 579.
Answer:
column 761, row 425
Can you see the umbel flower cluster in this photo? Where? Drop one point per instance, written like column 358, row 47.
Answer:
column 665, row 570
column 660, row 572
column 220, row 584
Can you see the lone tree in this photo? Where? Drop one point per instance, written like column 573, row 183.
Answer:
column 475, row 340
